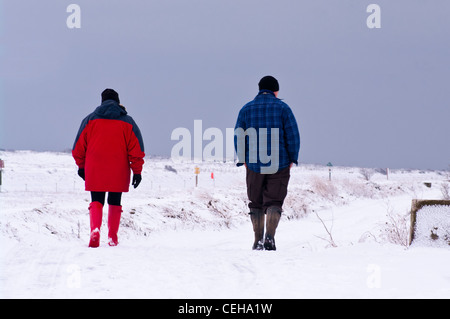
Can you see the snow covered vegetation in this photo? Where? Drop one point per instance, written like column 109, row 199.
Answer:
column 344, row 238
column 433, row 226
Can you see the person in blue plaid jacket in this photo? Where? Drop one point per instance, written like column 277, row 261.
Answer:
column 267, row 142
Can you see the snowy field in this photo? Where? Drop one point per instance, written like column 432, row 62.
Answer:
column 341, row 239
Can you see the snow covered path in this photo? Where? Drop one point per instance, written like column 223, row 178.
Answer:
column 181, row 242
column 220, row 264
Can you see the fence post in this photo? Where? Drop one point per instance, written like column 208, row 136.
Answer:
column 2, row 165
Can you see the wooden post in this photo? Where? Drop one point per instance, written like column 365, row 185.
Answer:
column 329, row 170
column 196, row 172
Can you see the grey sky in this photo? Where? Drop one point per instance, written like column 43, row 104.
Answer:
column 362, row 97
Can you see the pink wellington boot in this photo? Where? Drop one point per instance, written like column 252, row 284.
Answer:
column 114, row 213
column 95, row 214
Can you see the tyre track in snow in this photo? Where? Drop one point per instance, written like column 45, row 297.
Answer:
column 37, row 272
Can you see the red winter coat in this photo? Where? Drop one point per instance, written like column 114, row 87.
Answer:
column 107, row 146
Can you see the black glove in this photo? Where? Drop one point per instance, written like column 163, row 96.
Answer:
column 137, row 178
column 81, row 173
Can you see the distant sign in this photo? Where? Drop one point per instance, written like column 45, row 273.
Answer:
column 197, row 170
column 329, row 170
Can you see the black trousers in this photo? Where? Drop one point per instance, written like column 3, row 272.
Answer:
column 264, row 190
column 113, row 198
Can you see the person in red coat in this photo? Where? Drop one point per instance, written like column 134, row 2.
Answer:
column 108, row 146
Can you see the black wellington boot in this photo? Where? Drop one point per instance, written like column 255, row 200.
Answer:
column 257, row 217
column 273, row 217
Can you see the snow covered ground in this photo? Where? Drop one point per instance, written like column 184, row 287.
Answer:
column 182, row 241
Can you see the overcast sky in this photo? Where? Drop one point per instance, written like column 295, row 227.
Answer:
column 362, row 97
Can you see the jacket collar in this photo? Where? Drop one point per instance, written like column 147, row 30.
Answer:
column 110, row 109
column 266, row 92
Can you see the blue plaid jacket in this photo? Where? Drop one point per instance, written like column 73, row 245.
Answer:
column 266, row 126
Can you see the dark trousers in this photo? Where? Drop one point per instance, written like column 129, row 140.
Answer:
column 113, row 198
column 264, row 190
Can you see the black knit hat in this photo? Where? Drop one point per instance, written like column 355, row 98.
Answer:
column 269, row 83
column 110, row 94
